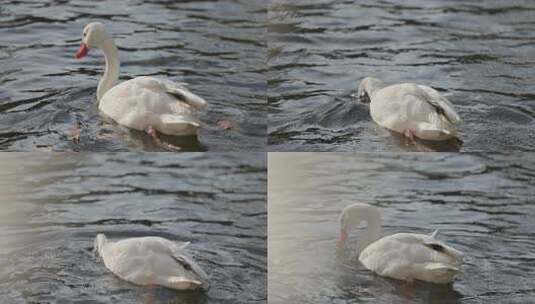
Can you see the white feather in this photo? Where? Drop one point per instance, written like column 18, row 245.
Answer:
column 143, row 101
column 151, row 261
column 411, row 107
column 402, row 256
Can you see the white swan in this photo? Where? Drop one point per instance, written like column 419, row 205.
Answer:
column 402, row 256
column 143, row 103
column 411, row 109
column 151, row 261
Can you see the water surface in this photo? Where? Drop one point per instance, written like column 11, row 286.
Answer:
column 482, row 205
column 479, row 54
column 217, row 47
column 53, row 206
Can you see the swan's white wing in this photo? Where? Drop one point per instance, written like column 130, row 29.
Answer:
column 176, row 251
column 176, row 89
column 439, row 102
column 148, row 101
column 162, row 245
column 404, row 256
column 186, row 96
column 153, row 260
column 389, row 256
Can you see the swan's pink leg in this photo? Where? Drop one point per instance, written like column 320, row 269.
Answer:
column 152, row 132
column 409, row 134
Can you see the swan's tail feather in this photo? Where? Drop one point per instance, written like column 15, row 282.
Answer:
column 183, row 245
column 182, row 283
column 176, row 124
column 429, row 130
column 424, row 126
column 441, row 104
column 440, row 267
column 174, row 119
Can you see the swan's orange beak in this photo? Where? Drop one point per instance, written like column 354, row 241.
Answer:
column 82, row 51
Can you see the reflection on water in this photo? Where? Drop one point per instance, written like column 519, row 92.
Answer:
column 217, row 47
column 478, row 53
column 482, row 205
column 56, row 204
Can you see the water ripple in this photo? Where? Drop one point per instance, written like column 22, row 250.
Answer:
column 55, row 204
column 481, row 203
column 479, row 55
column 215, row 47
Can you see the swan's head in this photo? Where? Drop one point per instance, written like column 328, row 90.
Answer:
column 367, row 87
column 93, row 36
column 352, row 216
column 443, row 261
column 195, row 270
column 100, row 240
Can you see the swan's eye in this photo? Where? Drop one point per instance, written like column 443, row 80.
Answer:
column 364, row 97
column 437, row 247
column 85, row 34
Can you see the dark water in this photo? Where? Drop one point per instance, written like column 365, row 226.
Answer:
column 480, row 54
column 483, row 205
column 217, row 47
column 53, row 206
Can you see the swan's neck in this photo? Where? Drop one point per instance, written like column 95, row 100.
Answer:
column 100, row 242
column 354, row 215
column 111, row 73
column 371, row 234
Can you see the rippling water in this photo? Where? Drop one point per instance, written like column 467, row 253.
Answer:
column 217, row 47
column 482, row 204
column 53, row 206
column 480, row 54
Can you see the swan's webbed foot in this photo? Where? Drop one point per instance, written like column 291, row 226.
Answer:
column 153, row 133
column 172, row 148
column 225, row 124
column 407, row 288
column 458, row 142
